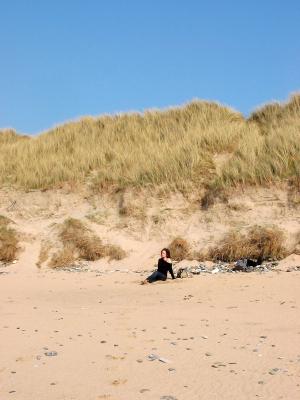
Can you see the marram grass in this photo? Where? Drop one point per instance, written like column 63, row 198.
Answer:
column 177, row 147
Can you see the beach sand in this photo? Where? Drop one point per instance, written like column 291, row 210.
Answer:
column 222, row 336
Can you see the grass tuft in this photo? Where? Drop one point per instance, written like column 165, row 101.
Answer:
column 63, row 258
column 265, row 242
column 179, row 249
column 8, row 241
column 80, row 243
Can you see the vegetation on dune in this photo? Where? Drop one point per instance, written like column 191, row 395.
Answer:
column 8, row 241
column 179, row 249
column 265, row 242
column 177, row 147
column 80, row 243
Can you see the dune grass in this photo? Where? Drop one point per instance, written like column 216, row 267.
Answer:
column 9, row 243
column 80, row 243
column 265, row 242
column 174, row 147
column 179, row 249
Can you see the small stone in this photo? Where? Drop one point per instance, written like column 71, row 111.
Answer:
column 164, row 360
column 152, row 357
column 260, row 382
column 273, row 371
column 208, row 354
column 51, row 353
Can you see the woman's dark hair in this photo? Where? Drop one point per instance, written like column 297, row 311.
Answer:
column 167, row 252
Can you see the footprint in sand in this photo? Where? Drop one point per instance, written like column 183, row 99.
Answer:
column 117, row 382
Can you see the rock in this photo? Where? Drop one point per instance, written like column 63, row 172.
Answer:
column 51, row 353
column 168, row 398
column 152, row 357
column 274, row 371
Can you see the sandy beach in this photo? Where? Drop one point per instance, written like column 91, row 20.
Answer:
column 88, row 336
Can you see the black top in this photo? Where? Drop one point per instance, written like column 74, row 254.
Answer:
column 164, row 267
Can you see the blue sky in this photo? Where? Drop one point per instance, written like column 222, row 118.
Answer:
column 64, row 59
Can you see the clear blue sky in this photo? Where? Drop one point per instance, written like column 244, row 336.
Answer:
column 64, row 59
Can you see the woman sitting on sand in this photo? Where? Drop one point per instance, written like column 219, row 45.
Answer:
column 164, row 265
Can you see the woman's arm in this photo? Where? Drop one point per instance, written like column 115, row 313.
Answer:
column 171, row 269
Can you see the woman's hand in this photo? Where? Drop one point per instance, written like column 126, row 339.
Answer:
column 169, row 260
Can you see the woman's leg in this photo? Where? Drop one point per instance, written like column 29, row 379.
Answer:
column 156, row 276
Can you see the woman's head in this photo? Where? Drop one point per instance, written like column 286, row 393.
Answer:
column 165, row 253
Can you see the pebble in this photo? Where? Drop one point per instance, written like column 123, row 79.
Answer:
column 274, row 371
column 168, row 398
column 152, row 357
column 51, row 353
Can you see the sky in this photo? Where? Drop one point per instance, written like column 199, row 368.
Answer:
column 62, row 59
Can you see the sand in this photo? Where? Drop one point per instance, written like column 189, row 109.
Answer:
column 223, row 336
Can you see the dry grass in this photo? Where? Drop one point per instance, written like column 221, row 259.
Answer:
column 296, row 248
column 115, row 252
column 74, row 234
column 63, row 258
column 200, row 255
column 138, row 149
column 44, row 254
column 179, row 249
column 177, row 147
column 133, row 211
column 80, row 243
column 265, row 242
column 8, row 241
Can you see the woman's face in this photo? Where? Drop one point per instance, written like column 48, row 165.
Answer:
column 163, row 254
